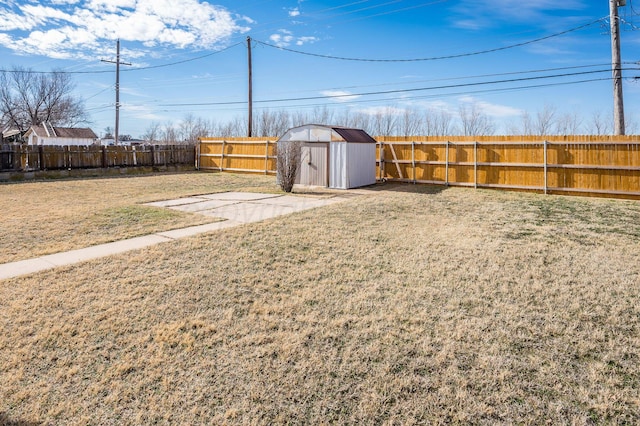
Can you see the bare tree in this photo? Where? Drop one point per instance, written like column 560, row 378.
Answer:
column 410, row 123
column 288, row 163
column 568, row 124
column 438, row 123
column 361, row 121
column 28, row 98
column 169, row 134
column 271, row 123
column 321, row 116
column 527, row 124
column 599, row 125
column 545, row 120
column 474, row 122
column 299, row 118
column 192, row 128
column 152, row 134
column 235, row 127
column 384, row 121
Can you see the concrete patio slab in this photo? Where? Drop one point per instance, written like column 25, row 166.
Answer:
column 176, row 202
column 202, row 205
column 236, row 207
column 239, row 196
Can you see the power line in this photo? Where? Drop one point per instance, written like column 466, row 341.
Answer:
column 184, row 61
column 439, row 95
column 471, row 76
column 125, row 70
column 433, row 58
column 385, row 92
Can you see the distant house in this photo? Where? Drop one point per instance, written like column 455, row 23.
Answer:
column 46, row 134
column 11, row 135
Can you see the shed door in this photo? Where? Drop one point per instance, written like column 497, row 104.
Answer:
column 314, row 167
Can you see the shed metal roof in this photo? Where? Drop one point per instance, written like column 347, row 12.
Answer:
column 326, row 133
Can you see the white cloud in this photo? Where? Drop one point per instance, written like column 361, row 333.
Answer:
column 493, row 110
column 304, row 40
column 294, row 12
column 284, row 38
column 85, row 28
column 339, row 95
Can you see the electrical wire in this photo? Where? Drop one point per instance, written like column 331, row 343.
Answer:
column 123, row 70
column 468, row 77
column 385, row 92
column 433, row 58
column 404, row 98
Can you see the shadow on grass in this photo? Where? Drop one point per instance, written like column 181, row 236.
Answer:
column 6, row 421
column 378, row 187
column 414, row 188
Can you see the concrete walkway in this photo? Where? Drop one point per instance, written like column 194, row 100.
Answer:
column 236, row 207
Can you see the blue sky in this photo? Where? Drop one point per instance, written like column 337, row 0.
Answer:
column 190, row 56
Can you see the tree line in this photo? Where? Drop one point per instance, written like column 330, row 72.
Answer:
column 468, row 120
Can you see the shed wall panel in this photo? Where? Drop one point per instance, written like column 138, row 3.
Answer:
column 338, row 165
column 360, row 164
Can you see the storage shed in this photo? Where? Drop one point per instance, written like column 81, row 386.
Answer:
column 333, row 156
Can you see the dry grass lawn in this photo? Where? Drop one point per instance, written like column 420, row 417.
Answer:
column 47, row 217
column 410, row 305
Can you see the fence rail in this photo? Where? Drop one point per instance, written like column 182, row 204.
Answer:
column 581, row 165
column 247, row 155
column 51, row 157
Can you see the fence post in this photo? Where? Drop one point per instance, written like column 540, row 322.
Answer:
column 381, row 162
column 222, row 157
column 446, row 163
column 16, row 157
column 266, row 157
column 546, row 182
column 475, row 164
column 41, row 165
column 413, row 160
column 24, row 158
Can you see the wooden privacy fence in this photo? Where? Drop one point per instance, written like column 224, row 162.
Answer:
column 588, row 165
column 248, row 155
column 54, row 157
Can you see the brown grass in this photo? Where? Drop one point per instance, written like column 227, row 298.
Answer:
column 410, row 305
column 41, row 218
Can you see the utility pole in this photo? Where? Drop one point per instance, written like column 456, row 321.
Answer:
column 616, row 66
column 118, row 63
column 250, row 101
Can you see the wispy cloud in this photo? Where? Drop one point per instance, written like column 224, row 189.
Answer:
column 476, row 14
column 87, row 28
column 284, row 38
column 375, row 111
column 492, row 110
column 340, row 95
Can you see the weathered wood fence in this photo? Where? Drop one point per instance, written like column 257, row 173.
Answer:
column 49, row 157
column 586, row 165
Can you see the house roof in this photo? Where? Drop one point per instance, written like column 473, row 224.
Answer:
column 326, row 133
column 47, row 130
